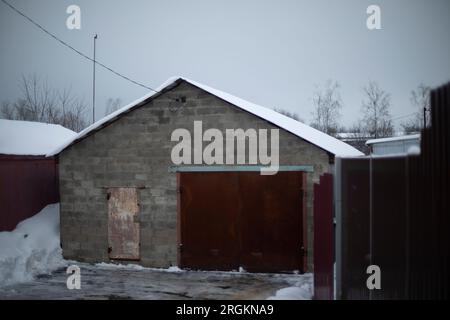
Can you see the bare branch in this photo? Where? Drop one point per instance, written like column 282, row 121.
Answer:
column 376, row 121
column 420, row 99
column 39, row 102
column 327, row 108
column 112, row 105
column 289, row 114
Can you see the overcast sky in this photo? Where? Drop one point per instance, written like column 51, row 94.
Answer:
column 273, row 53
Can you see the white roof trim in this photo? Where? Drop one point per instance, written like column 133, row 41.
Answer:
column 297, row 128
column 400, row 138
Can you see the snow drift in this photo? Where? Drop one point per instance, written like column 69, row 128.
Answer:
column 33, row 248
column 136, row 267
column 300, row 291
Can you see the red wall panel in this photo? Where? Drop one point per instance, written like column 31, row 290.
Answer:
column 27, row 184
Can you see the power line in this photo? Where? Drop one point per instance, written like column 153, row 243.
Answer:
column 404, row 116
column 105, row 66
column 76, row 50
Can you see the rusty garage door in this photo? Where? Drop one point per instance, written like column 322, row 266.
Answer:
column 123, row 225
column 241, row 219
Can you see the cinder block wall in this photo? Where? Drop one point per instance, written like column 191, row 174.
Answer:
column 135, row 151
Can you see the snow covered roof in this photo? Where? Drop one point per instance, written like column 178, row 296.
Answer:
column 401, row 138
column 31, row 138
column 297, row 128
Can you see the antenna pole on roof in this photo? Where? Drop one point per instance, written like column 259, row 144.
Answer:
column 93, row 83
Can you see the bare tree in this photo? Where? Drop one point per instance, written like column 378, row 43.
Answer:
column 39, row 102
column 420, row 99
column 356, row 136
column 289, row 114
column 327, row 108
column 376, row 121
column 7, row 110
column 112, row 105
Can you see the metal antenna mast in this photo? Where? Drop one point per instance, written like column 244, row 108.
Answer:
column 93, row 83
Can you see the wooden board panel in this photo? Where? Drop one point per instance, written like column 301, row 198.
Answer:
column 123, row 225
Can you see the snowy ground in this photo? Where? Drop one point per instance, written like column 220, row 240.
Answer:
column 106, row 282
column 32, row 267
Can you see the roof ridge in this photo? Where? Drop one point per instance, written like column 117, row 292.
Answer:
column 303, row 131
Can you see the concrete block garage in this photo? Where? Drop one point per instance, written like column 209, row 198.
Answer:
column 123, row 198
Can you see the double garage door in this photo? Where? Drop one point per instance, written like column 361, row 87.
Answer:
column 229, row 220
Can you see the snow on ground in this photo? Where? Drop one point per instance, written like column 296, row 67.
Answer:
column 131, row 266
column 299, row 290
column 31, row 249
column 302, row 290
column 126, row 282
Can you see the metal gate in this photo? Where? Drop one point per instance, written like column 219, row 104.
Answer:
column 394, row 212
column 323, row 238
column 123, row 225
column 229, row 220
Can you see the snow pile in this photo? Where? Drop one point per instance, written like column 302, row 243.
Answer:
column 302, row 292
column 32, row 248
column 129, row 266
column 31, row 138
column 173, row 269
column 414, row 150
column 136, row 267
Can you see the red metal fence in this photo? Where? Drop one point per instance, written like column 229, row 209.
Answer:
column 27, row 184
column 394, row 213
column 323, row 239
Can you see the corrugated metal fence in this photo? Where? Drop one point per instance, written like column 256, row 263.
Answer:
column 27, row 184
column 323, row 238
column 394, row 212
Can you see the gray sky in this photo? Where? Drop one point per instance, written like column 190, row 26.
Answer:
column 273, row 53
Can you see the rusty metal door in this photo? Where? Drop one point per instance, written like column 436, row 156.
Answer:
column 208, row 221
column 241, row 219
column 271, row 221
column 123, row 224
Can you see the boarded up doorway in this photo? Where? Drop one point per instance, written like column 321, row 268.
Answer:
column 123, row 224
column 229, row 220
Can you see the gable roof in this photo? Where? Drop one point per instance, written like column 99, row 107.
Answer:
column 316, row 137
column 31, row 138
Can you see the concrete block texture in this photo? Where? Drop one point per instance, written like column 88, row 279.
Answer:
column 135, row 151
